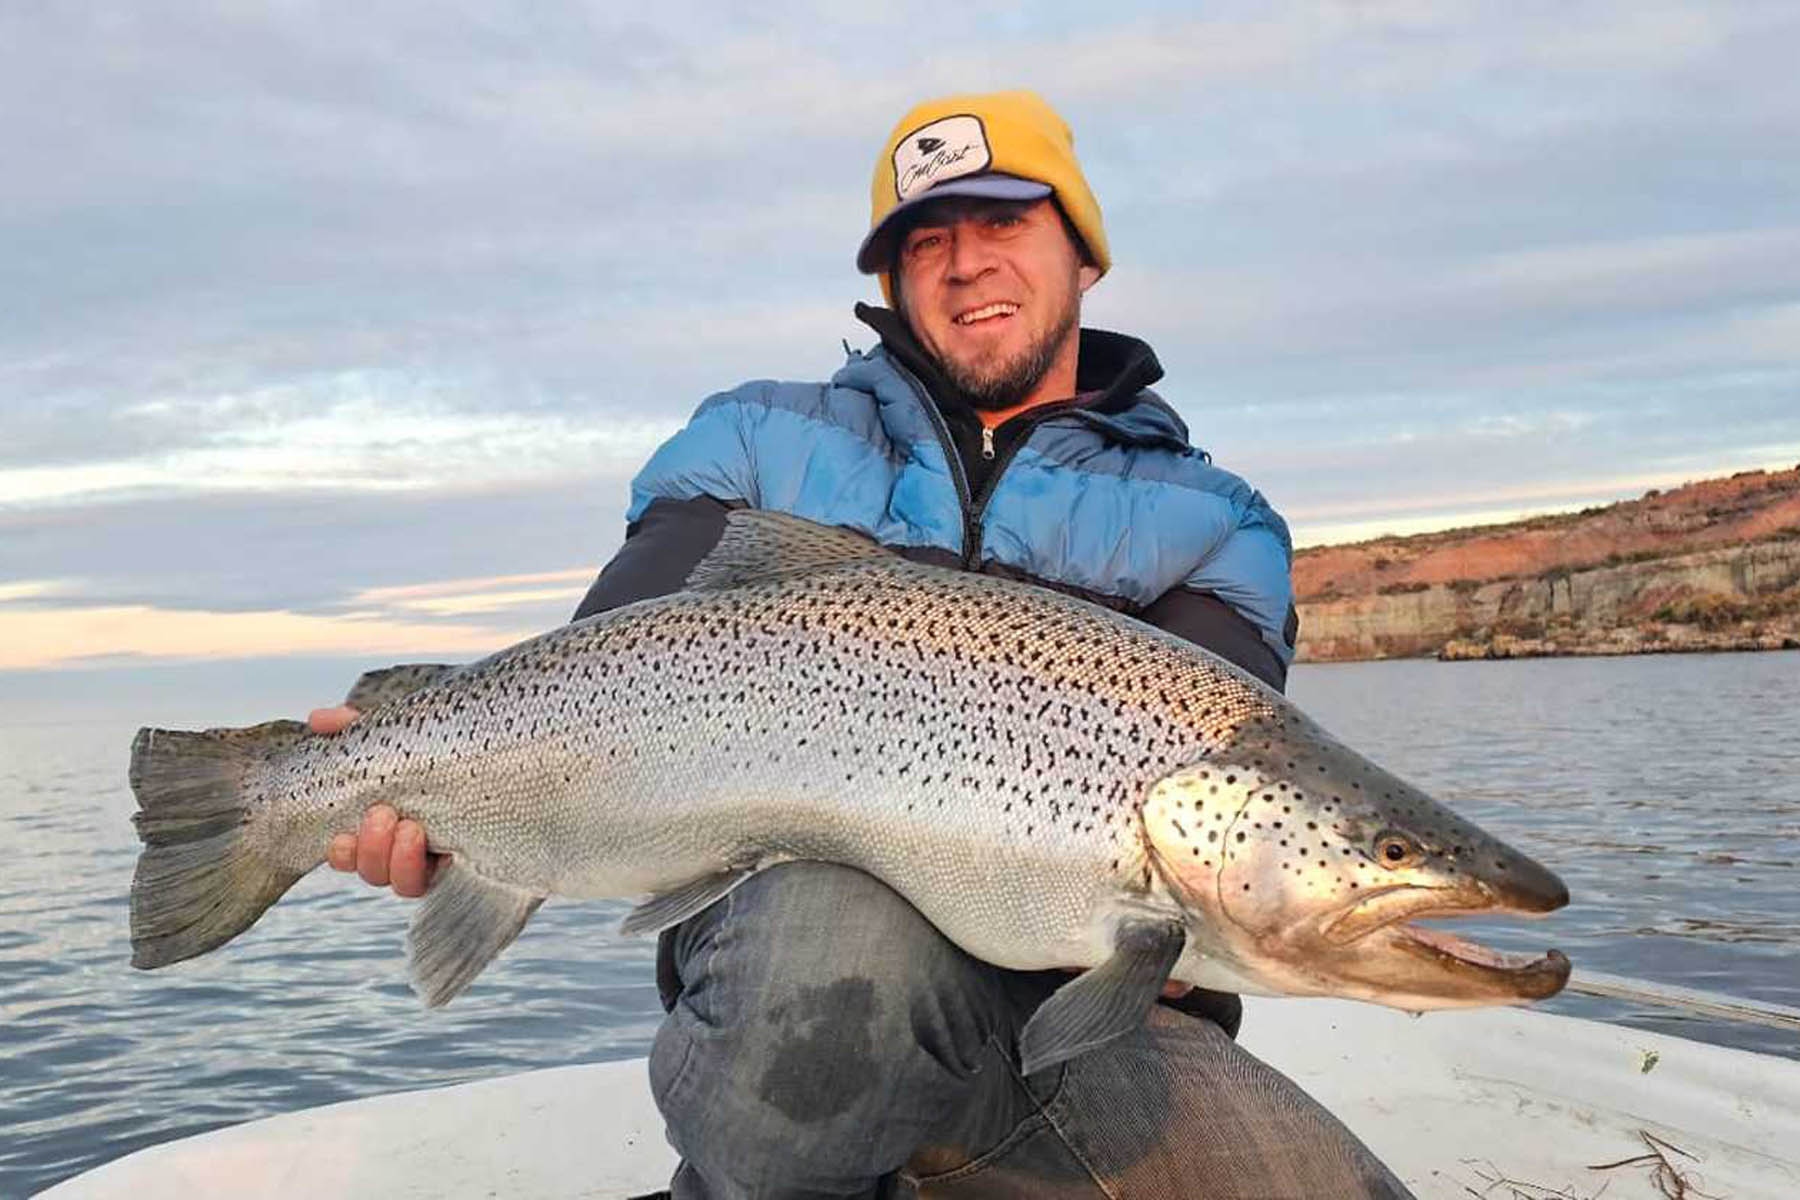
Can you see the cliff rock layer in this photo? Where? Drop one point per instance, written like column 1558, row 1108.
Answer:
column 1710, row 565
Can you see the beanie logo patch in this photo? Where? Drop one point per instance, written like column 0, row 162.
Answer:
column 947, row 148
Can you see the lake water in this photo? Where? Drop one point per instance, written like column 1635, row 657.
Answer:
column 1665, row 791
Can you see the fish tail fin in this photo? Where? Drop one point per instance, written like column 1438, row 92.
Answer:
column 198, row 882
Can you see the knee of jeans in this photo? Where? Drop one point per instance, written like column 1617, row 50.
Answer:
column 815, row 989
column 813, row 1095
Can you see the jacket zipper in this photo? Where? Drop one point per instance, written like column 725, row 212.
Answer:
column 964, row 501
column 1032, row 419
column 974, row 506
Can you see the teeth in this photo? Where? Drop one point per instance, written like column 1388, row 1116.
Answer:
column 982, row 314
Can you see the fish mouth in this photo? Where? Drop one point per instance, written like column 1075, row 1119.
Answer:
column 1460, row 971
column 1480, row 970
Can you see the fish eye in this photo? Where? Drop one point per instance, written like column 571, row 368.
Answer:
column 1395, row 849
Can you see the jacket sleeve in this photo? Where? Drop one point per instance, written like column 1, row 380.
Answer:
column 661, row 548
column 1239, row 602
column 709, row 456
column 1209, row 622
column 678, row 505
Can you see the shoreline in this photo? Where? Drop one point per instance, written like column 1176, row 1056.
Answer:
column 1635, row 642
column 1624, row 644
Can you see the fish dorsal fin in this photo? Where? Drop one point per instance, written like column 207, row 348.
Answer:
column 372, row 689
column 760, row 545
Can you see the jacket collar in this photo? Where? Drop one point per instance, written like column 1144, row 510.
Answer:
column 1113, row 375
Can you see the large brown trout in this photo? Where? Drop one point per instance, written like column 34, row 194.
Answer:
column 1052, row 784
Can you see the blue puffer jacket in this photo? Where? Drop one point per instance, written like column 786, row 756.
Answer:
column 1110, row 502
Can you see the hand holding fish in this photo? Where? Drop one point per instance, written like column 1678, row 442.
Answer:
column 386, row 850
column 331, row 720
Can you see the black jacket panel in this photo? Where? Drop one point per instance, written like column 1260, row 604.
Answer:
column 661, row 548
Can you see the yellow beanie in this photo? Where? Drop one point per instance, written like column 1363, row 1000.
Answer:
column 1002, row 145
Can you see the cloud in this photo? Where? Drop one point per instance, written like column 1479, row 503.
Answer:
column 496, row 594
column 455, row 589
column 295, row 317
column 361, row 431
column 35, row 639
column 27, row 589
column 310, row 552
column 49, row 623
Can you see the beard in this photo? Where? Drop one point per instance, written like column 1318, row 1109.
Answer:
column 994, row 385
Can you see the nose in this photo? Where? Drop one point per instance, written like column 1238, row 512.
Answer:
column 970, row 255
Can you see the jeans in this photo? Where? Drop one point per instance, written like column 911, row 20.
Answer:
column 825, row 1040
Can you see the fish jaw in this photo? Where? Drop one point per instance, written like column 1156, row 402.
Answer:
column 1465, row 974
column 1376, row 952
column 1404, row 966
column 1304, row 866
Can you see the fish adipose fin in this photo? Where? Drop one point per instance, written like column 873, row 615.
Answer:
column 372, row 689
column 1106, row 1003
column 463, row 922
column 760, row 545
column 198, row 884
column 678, row 904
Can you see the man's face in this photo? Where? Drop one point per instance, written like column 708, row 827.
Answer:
column 992, row 290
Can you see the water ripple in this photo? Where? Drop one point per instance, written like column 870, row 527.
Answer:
column 1666, row 792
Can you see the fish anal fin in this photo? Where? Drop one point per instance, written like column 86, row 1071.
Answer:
column 677, row 904
column 759, row 544
column 372, row 689
column 1107, row 1002
column 463, row 922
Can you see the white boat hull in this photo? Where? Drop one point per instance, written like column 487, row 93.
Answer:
column 1452, row 1101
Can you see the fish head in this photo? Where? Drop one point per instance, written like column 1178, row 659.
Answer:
column 1304, row 865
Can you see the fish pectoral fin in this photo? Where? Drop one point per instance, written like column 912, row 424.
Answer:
column 679, row 903
column 463, row 922
column 1107, row 1002
column 372, row 689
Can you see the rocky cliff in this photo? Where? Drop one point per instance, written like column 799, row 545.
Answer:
column 1710, row 565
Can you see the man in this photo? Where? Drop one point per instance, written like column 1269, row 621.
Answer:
column 823, row 1039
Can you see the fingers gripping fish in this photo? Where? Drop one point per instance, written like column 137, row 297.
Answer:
column 1050, row 783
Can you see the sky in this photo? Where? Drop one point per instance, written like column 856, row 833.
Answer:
column 337, row 331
